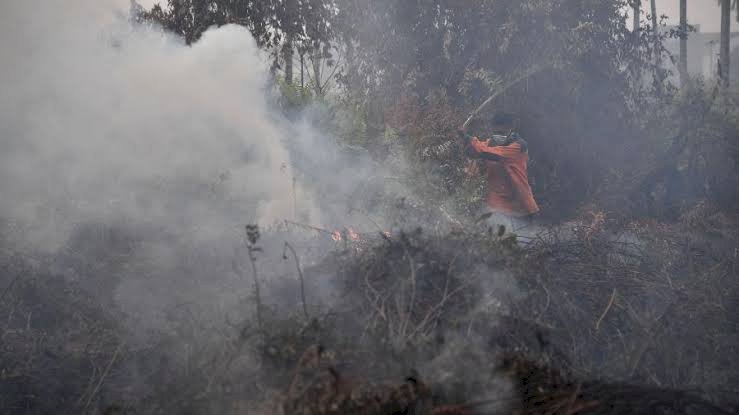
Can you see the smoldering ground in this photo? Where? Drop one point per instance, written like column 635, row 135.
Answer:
column 105, row 123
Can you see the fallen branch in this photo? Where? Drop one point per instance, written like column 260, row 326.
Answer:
column 608, row 307
column 102, row 378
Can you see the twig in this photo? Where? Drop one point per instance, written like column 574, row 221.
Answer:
column 90, row 382
column 5, row 291
column 546, row 307
column 295, row 200
column 367, row 216
column 608, row 307
column 102, row 378
column 300, row 275
column 430, row 316
column 306, row 226
column 572, row 400
column 408, row 314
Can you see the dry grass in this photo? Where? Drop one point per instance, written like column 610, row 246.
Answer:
column 590, row 317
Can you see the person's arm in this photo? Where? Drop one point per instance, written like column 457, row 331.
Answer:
column 489, row 156
column 480, row 149
column 473, row 153
column 511, row 151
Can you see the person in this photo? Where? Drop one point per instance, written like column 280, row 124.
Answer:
column 506, row 160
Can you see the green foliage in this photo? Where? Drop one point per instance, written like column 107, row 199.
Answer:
column 293, row 96
column 304, row 22
column 351, row 124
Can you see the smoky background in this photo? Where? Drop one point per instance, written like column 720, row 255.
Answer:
column 131, row 162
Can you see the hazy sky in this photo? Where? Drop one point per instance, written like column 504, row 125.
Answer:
column 149, row 3
column 705, row 13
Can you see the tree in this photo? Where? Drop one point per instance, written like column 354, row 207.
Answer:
column 683, row 65
column 656, row 40
column 636, row 6
column 724, row 56
column 135, row 12
column 278, row 25
column 734, row 74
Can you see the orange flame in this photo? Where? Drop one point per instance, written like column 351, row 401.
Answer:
column 349, row 234
column 336, row 236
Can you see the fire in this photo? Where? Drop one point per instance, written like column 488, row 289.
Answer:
column 336, row 236
column 349, row 234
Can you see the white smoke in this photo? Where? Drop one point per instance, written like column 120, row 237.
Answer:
column 103, row 122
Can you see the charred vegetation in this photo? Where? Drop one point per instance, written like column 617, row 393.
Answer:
column 306, row 237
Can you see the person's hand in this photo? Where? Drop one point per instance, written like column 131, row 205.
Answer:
column 476, row 143
column 472, row 168
column 462, row 135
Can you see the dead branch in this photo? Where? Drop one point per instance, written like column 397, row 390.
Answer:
column 300, row 275
column 608, row 307
column 102, row 378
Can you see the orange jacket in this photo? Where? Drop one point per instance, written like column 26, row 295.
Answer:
column 508, row 179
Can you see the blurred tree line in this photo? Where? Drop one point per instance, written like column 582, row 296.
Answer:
column 585, row 79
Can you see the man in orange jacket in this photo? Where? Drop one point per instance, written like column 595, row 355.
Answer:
column 506, row 160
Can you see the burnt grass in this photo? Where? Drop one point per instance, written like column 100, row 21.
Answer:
column 590, row 317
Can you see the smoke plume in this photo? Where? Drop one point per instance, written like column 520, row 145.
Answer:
column 104, row 122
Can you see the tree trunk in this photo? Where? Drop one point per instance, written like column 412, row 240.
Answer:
column 655, row 33
column 655, row 46
column 724, row 60
column 683, row 67
column 316, row 60
column 287, row 53
column 637, row 10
